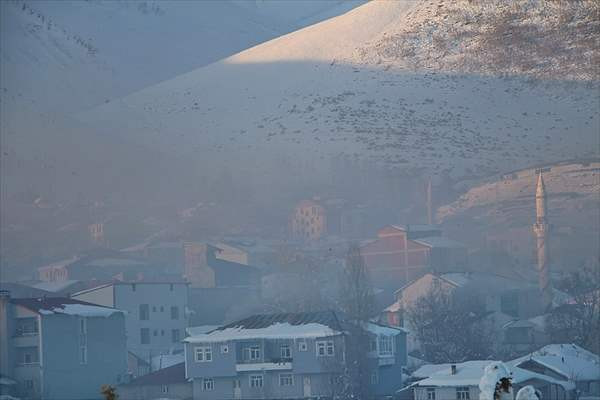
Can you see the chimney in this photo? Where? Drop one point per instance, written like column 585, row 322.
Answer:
column 453, row 369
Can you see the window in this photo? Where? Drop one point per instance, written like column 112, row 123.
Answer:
column 82, row 326
column 174, row 312
column 164, row 389
column 203, row 354
column 256, row 381
column 374, row 378
column 145, row 336
column 430, row 393
column 83, row 355
column 144, row 312
column 462, row 393
column 133, row 287
column 162, row 309
column 286, row 352
column 162, row 332
column 325, row 348
column 302, row 345
column 372, row 345
column 29, row 384
column 224, row 349
column 286, row 380
column 237, row 384
column 155, row 333
column 27, row 358
column 385, row 345
column 253, row 353
column 208, row 384
column 153, row 308
column 171, row 287
column 175, row 336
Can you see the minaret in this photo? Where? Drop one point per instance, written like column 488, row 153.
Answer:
column 540, row 228
column 429, row 205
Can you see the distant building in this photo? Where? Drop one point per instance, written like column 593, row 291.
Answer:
column 308, row 221
column 403, row 253
column 168, row 383
column 461, row 381
column 286, row 356
column 61, row 348
column 98, row 264
column 205, row 267
column 514, row 305
column 156, row 313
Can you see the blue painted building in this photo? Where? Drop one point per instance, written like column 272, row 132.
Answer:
column 288, row 356
column 156, row 313
column 60, row 348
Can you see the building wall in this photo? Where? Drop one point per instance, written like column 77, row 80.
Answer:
column 444, row 393
column 174, row 391
column 104, row 296
column 308, row 221
column 159, row 297
column 64, row 375
column 393, row 260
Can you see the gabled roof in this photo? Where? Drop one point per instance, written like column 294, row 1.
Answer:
column 165, row 376
column 469, row 373
column 439, row 242
column 569, row 360
column 64, row 305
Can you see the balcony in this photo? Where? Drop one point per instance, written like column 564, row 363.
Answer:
column 25, row 339
column 272, row 364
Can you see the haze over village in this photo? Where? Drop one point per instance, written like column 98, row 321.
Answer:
column 300, row 199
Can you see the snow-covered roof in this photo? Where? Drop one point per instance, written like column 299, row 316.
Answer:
column 569, row 360
column 280, row 330
column 66, row 306
column 394, row 307
column 439, row 241
column 469, row 373
column 198, row 330
column 55, row 286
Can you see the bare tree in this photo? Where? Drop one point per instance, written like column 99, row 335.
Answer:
column 578, row 321
column 450, row 328
column 357, row 305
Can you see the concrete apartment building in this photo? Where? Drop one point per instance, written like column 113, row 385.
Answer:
column 60, row 348
column 287, row 356
column 156, row 313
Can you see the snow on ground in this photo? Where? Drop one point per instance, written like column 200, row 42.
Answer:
column 282, row 330
column 306, row 95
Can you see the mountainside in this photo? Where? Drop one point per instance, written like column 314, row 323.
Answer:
column 72, row 55
column 310, row 94
column 539, row 38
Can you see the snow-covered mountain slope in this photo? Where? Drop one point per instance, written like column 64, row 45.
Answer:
column 72, row 55
column 59, row 57
column 311, row 93
column 539, row 38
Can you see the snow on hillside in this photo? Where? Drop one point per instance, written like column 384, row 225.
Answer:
column 538, row 38
column 306, row 94
column 83, row 53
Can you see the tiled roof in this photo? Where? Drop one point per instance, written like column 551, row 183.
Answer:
column 165, row 376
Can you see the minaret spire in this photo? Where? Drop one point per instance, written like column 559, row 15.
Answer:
column 540, row 228
column 429, row 205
